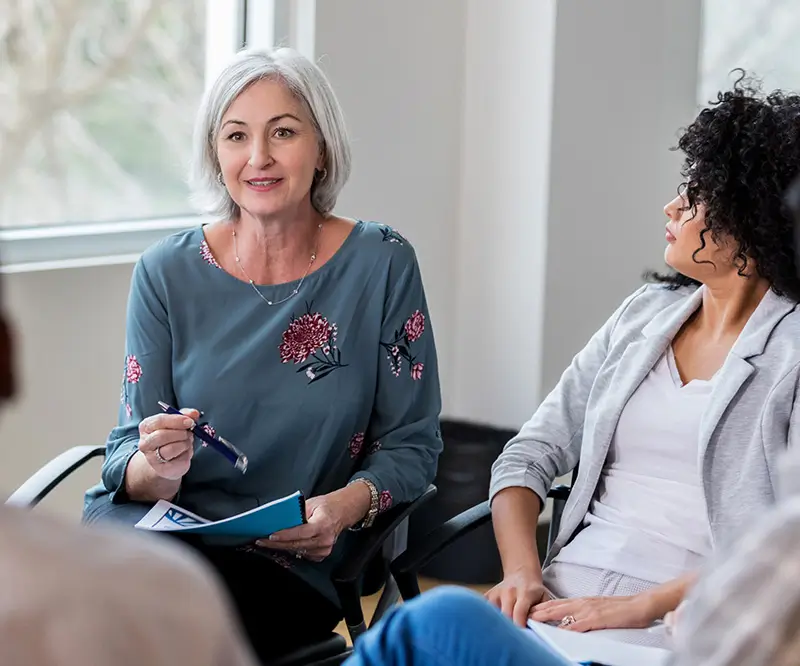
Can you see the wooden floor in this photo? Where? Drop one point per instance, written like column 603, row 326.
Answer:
column 369, row 603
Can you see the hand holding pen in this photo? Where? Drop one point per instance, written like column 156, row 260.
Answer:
column 167, row 442
column 219, row 444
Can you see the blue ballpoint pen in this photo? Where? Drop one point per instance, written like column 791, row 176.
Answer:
column 219, row 444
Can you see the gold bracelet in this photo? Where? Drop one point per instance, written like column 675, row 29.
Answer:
column 374, row 503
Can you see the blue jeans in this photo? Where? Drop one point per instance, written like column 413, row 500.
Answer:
column 448, row 626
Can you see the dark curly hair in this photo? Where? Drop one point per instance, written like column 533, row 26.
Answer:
column 742, row 153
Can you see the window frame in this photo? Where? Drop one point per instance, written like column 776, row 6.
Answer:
column 231, row 24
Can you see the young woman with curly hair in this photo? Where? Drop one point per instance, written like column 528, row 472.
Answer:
column 679, row 407
column 677, row 412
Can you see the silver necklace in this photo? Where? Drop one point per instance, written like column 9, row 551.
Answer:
column 299, row 284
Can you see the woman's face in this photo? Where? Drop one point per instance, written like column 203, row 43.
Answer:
column 268, row 150
column 684, row 227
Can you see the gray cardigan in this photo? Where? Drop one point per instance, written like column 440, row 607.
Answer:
column 750, row 421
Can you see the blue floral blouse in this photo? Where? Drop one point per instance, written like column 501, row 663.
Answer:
column 338, row 382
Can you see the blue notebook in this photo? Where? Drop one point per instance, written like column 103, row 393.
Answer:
column 257, row 523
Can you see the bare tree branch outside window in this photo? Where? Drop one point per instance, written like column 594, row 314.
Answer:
column 98, row 100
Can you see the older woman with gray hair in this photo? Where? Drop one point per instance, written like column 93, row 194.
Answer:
column 299, row 335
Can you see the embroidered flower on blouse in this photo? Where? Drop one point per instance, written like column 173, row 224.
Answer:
column 133, row 371
column 205, row 252
column 391, row 236
column 311, row 340
column 356, row 444
column 123, row 392
column 395, row 360
column 281, row 560
column 384, row 501
column 399, row 347
column 306, row 335
column 415, row 326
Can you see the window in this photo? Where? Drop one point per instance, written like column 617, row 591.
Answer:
column 99, row 102
column 759, row 36
column 101, row 98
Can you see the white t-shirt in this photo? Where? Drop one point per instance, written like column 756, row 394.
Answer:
column 649, row 518
column 77, row 596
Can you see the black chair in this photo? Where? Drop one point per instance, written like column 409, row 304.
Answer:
column 365, row 573
column 405, row 568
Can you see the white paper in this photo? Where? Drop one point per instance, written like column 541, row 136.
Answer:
column 577, row 647
column 165, row 516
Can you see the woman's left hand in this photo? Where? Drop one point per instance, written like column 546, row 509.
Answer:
column 592, row 613
column 314, row 540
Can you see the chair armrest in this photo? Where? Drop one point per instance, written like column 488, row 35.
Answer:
column 368, row 542
column 560, row 492
column 418, row 555
column 35, row 489
column 346, row 577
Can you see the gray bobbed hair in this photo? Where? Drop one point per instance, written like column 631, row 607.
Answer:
column 307, row 82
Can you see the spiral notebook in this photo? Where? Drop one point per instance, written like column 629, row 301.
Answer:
column 558, row 647
column 257, row 523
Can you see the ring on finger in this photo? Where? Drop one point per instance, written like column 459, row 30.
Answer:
column 161, row 458
column 567, row 620
column 300, row 553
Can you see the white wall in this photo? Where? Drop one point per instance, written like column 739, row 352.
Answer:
column 502, row 226
column 517, row 145
column 70, row 332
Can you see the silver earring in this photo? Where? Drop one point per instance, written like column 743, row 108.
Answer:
column 219, row 178
column 322, row 175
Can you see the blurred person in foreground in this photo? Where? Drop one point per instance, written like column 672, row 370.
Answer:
column 746, row 607
column 60, row 601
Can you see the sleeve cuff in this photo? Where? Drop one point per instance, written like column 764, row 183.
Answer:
column 117, row 491
column 521, row 479
column 369, row 476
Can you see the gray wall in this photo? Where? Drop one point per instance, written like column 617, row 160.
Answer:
column 625, row 81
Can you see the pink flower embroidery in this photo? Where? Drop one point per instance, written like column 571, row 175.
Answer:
column 384, row 501
column 205, row 252
column 305, row 335
column 133, row 371
column 280, row 560
column 374, row 447
column 399, row 347
column 128, row 410
column 356, row 444
column 415, row 326
column 395, row 360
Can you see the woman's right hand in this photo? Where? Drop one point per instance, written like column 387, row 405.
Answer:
column 517, row 594
column 168, row 436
